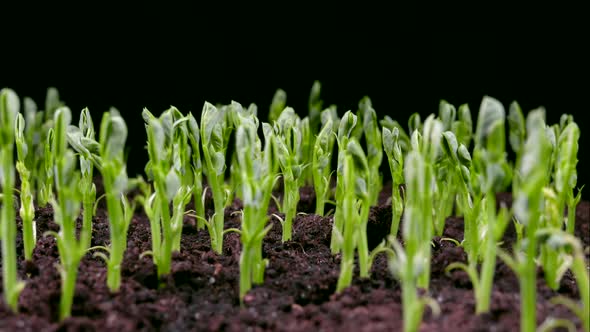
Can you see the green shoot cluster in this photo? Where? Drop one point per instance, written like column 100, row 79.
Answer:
column 439, row 167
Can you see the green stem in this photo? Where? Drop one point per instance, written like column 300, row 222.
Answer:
column 350, row 215
column 345, row 277
column 114, row 264
column 156, row 235
column 571, row 218
column 88, row 209
column 218, row 219
column 425, row 232
column 68, row 284
column 528, row 297
column 176, row 226
column 322, row 187
column 27, row 214
column 337, row 228
column 166, row 240
column 320, row 202
column 528, row 282
column 28, row 239
column 549, row 259
column 246, row 269
column 445, row 209
column 258, row 264
column 409, row 301
column 338, row 225
column 27, row 210
column 363, row 245
column 118, row 237
column 470, row 226
column 198, row 194
column 489, row 260
column 396, row 209
column 165, row 263
column 290, row 200
column 580, row 271
column 9, row 275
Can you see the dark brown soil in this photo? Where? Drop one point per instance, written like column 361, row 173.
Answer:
column 201, row 294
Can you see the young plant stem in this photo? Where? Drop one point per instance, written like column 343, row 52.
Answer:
column 246, row 269
column 337, row 228
column 410, row 261
column 118, row 234
column 528, row 206
column 425, row 232
column 218, row 218
column 320, row 203
column 290, row 200
column 164, row 213
column 8, row 231
column 27, row 208
column 215, row 132
column 363, row 243
column 411, row 315
column 489, row 259
column 181, row 199
column 345, row 129
column 194, row 137
column 258, row 174
column 580, row 271
column 66, row 206
column 156, row 230
column 69, row 275
column 528, row 282
column 9, row 108
column 198, row 199
column 397, row 208
column 88, row 199
column 322, row 158
column 27, row 211
column 350, row 215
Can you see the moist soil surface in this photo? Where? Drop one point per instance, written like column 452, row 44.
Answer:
column 298, row 294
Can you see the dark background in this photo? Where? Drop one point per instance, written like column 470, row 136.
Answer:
column 405, row 59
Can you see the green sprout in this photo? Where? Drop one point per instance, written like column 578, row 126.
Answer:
column 427, row 142
column 355, row 207
column 434, row 176
column 489, row 174
column 258, row 173
column 322, row 158
column 559, row 195
column 197, row 169
column 395, row 158
column 289, row 137
column 278, row 104
column 566, row 174
column 27, row 207
column 9, row 108
column 170, row 168
column 350, row 213
column 40, row 161
column 66, row 207
column 374, row 145
column 215, row 132
column 528, row 207
column 108, row 156
column 564, row 242
column 82, row 138
column 345, row 129
column 410, row 263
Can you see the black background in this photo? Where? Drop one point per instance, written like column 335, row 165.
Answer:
column 405, row 59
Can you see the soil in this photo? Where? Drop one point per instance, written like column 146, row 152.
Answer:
column 201, row 293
